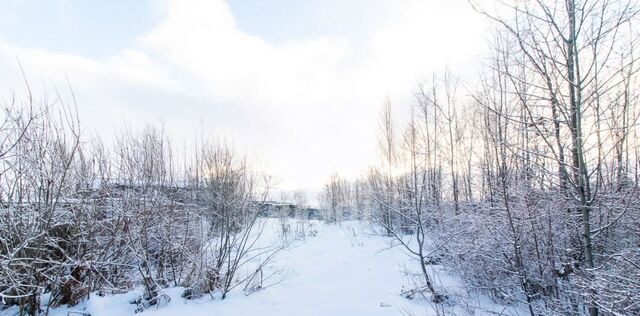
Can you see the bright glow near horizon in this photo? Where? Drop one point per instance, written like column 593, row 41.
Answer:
column 297, row 85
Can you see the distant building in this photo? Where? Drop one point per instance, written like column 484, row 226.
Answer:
column 275, row 209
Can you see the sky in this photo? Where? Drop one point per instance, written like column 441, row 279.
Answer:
column 295, row 85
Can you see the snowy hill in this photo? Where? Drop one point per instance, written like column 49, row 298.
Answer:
column 339, row 269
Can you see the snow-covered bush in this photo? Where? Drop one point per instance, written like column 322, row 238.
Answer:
column 78, row 218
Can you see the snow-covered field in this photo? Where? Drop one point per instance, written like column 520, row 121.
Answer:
column 342, row 270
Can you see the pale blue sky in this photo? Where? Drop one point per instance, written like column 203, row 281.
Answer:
column 286, row 20
column 277, row 20
column 98, row 28
column 91, row 28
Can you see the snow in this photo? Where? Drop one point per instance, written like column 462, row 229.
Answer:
column 343, row 270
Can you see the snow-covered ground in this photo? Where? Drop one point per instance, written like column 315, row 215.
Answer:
column 343, row 270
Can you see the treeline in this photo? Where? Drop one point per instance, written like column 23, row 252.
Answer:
column 78, row 217
column 526, row 180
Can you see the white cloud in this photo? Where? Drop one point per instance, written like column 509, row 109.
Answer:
column 308, row 107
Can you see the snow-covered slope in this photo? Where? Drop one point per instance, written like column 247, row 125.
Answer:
column 343, row 270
